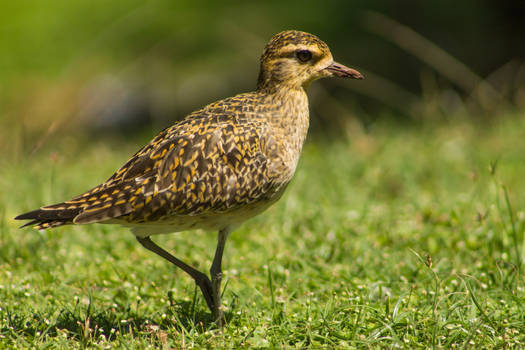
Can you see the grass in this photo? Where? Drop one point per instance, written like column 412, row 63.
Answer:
column 399, row 237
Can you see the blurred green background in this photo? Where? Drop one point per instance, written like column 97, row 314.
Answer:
column 128, row 66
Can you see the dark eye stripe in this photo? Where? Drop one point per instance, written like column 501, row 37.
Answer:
column 303, row 55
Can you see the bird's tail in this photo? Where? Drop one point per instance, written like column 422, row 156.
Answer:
column 50, row 216
column 102, row 203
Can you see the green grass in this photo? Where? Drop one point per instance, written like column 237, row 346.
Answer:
column 400, row 237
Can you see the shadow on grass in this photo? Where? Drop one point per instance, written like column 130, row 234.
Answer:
column 86, row 326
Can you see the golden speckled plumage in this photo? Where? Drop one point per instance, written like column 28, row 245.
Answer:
column 220, row 165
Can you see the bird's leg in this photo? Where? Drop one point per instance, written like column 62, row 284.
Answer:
column 200, row 279
column 216, row 276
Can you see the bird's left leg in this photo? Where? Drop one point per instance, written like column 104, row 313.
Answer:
column 200, row 279
column 216, row 275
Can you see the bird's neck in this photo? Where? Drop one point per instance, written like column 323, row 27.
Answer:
column 289, row 116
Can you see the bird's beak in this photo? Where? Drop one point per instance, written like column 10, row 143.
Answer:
column 338, row 70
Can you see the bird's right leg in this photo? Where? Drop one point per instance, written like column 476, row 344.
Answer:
column 201, row 279
column 216, row 276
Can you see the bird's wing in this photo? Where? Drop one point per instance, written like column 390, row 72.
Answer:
column 191, row 170
column 203, row 165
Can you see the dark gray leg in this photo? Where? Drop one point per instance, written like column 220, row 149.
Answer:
column 200, row 279
column 216, row 276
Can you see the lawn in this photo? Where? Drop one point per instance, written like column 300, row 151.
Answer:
column 399, row 236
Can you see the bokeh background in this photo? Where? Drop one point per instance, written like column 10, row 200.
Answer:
column 107, row 69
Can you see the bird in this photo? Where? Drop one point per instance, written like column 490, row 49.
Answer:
column 217, row 167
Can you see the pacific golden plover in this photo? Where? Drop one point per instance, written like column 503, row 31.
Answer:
column 219, row 166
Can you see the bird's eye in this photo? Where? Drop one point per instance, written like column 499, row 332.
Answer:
column 303, row 55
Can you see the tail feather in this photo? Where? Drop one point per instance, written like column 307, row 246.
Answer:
column 97, row 205
column 30, row 223
column 48, row 217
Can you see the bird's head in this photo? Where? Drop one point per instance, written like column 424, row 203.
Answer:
column 294, row 59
